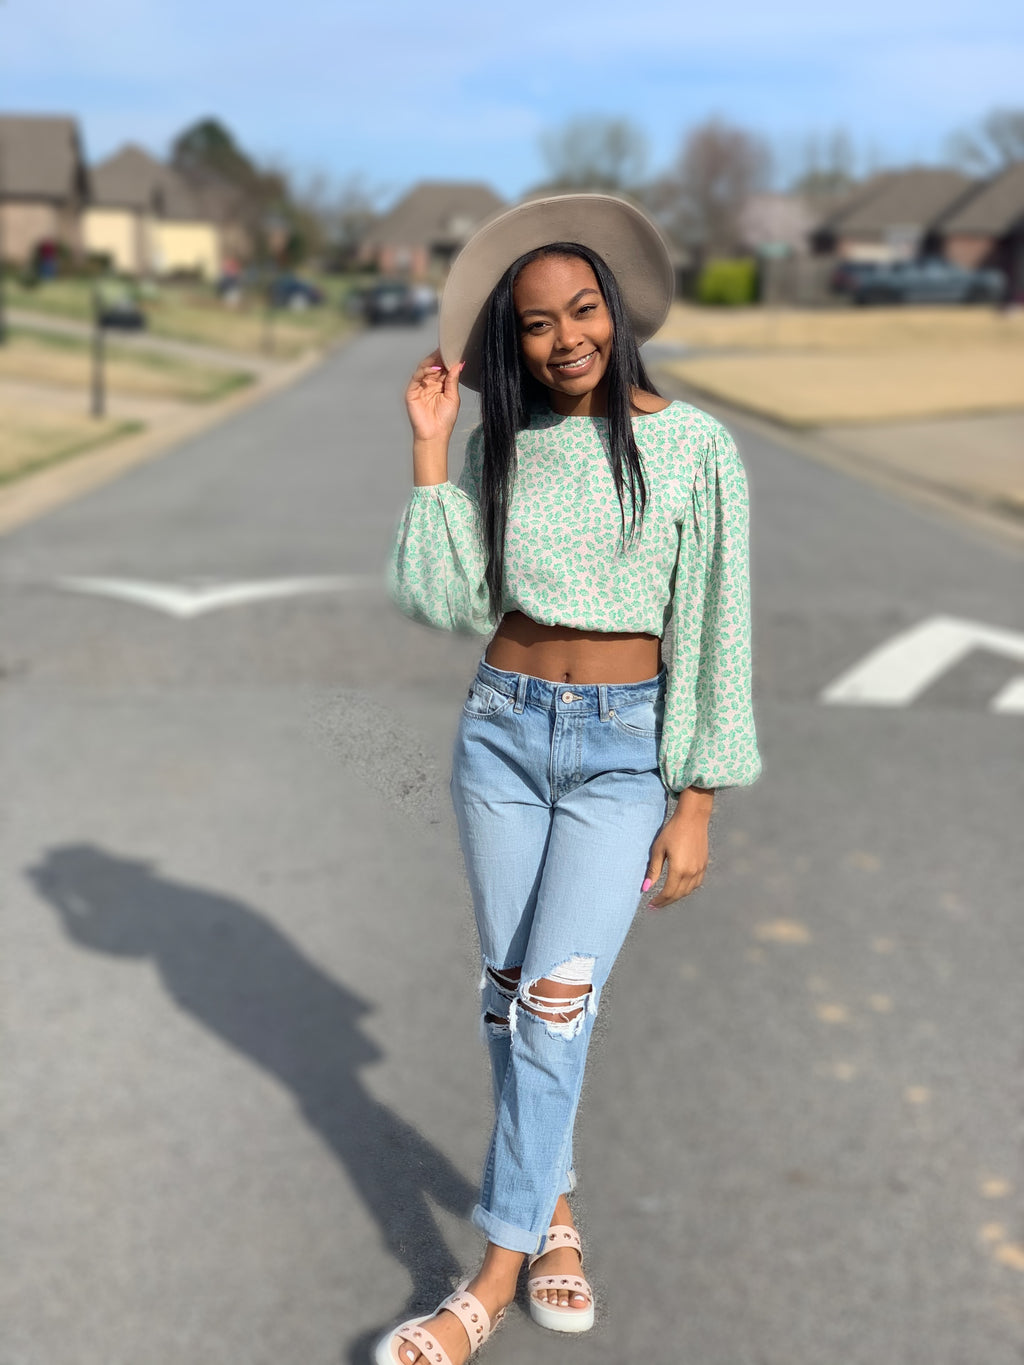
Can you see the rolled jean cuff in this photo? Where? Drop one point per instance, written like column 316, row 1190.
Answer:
column 503, row 1234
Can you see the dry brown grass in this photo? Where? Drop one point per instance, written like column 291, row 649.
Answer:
column 65, row 362
column 852, row 365
column 843, row 329
column 834, row 388
column 31, row 436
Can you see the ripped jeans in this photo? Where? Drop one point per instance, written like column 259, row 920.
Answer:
column 558, row 798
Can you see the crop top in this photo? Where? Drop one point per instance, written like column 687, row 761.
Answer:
column 566, row 564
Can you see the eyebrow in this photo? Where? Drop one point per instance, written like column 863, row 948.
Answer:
column 571, row 304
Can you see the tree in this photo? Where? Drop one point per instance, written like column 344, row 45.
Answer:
column 594, row 153
column 996, row 143
column 828, row 166
column 207, row 149
column 219, row 171
column 701, row 198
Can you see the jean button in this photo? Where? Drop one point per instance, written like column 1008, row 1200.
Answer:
column 567, row 696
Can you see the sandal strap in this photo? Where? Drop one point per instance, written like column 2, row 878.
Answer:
column 559, row 1235
column 472, row 1314
column 424, row 1342
column 575, row 1284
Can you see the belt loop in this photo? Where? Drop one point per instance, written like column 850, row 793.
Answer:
column 602, row 700
column 521, row 687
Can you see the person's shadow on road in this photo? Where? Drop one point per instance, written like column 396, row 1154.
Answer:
column 240, row 976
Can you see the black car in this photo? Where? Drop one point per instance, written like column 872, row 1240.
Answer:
column 289, row 291
column 396, row 301
column 117, row 306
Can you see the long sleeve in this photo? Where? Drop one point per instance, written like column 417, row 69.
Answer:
column 708, row 738
column 439, row 560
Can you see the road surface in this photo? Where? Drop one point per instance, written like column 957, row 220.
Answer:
column 244, row 1101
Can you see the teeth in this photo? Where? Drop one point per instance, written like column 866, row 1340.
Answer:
column 575, row 364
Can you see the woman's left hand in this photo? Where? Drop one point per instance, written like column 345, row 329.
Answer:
column 683, row 844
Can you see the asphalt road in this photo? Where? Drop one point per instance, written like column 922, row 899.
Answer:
column 244, row 1099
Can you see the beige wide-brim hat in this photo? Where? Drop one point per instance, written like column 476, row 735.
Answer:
column 622, row 236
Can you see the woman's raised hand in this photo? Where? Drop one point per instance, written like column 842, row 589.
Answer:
column 432, row 399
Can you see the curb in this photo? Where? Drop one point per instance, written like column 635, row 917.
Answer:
column 996, row 515
column 36, row 494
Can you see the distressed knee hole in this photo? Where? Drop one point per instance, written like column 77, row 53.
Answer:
column 559, row 999
column 503, row 979
column 496, row 1026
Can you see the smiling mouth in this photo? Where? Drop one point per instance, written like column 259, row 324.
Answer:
column 570, row 365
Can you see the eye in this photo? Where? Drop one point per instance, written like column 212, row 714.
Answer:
column 588, row 308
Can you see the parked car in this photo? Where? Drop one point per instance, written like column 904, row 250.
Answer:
column 289, row 291
column 928, row 281
column 117, row 306
column 849, row 275
column 396, row 301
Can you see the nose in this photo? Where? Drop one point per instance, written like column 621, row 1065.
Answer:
column 567, row 334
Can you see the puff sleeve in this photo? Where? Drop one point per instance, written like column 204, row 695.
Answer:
column 438, row 562
column 708, row 736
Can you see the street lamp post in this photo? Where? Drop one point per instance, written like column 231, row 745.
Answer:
column 98, row 385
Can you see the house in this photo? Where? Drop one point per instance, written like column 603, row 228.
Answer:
column 145, row 217
column 43, row 185
column 987, row 229
column 775, row 225
column 892, row 216
column 421, row 235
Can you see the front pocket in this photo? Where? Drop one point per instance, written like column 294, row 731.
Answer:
column 484, row 701
column 640, row 717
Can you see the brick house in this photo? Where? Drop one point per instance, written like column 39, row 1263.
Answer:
column 988, row 228
column 44, row 184
column 892, row 217
column 422, row 233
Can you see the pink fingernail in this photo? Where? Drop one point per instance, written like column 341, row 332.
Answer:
column 647, row 885
column 435, row 367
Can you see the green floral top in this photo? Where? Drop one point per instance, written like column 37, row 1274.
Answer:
column 565, row 564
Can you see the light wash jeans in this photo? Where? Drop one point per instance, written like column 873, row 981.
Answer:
column 558, row 799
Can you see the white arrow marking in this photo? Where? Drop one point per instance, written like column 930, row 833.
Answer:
column 897, row 672
column 1010, row 701
column 185, row 602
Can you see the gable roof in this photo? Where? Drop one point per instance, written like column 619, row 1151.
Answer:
column 133, row 179
column 917, row 197
column 995, row 208
column 435, row 213
column 41, row 157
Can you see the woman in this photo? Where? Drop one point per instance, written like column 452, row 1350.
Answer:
column 590, row 514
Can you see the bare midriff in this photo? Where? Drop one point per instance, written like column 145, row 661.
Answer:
column 561, row 654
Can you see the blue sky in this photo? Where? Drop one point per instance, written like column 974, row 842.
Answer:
column 400, row 91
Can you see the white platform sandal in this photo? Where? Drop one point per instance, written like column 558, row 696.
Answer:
column 466, row 1307
column 553, row 1315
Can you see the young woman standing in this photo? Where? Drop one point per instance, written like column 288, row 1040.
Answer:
column 589, row 517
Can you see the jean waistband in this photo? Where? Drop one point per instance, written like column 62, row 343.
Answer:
column 582, row 698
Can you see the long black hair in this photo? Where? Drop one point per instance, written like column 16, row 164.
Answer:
column 508, row 392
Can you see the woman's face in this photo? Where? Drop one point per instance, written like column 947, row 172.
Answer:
column 565, row 330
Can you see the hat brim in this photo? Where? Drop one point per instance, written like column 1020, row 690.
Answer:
column 622, row 236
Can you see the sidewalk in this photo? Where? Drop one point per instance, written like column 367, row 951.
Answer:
column 972, row 466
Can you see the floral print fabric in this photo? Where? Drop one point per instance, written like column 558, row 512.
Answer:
column 566, row 564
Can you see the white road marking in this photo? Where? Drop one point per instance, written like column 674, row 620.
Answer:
column 896, row 673
column 1010, row 700
column 184, row 602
